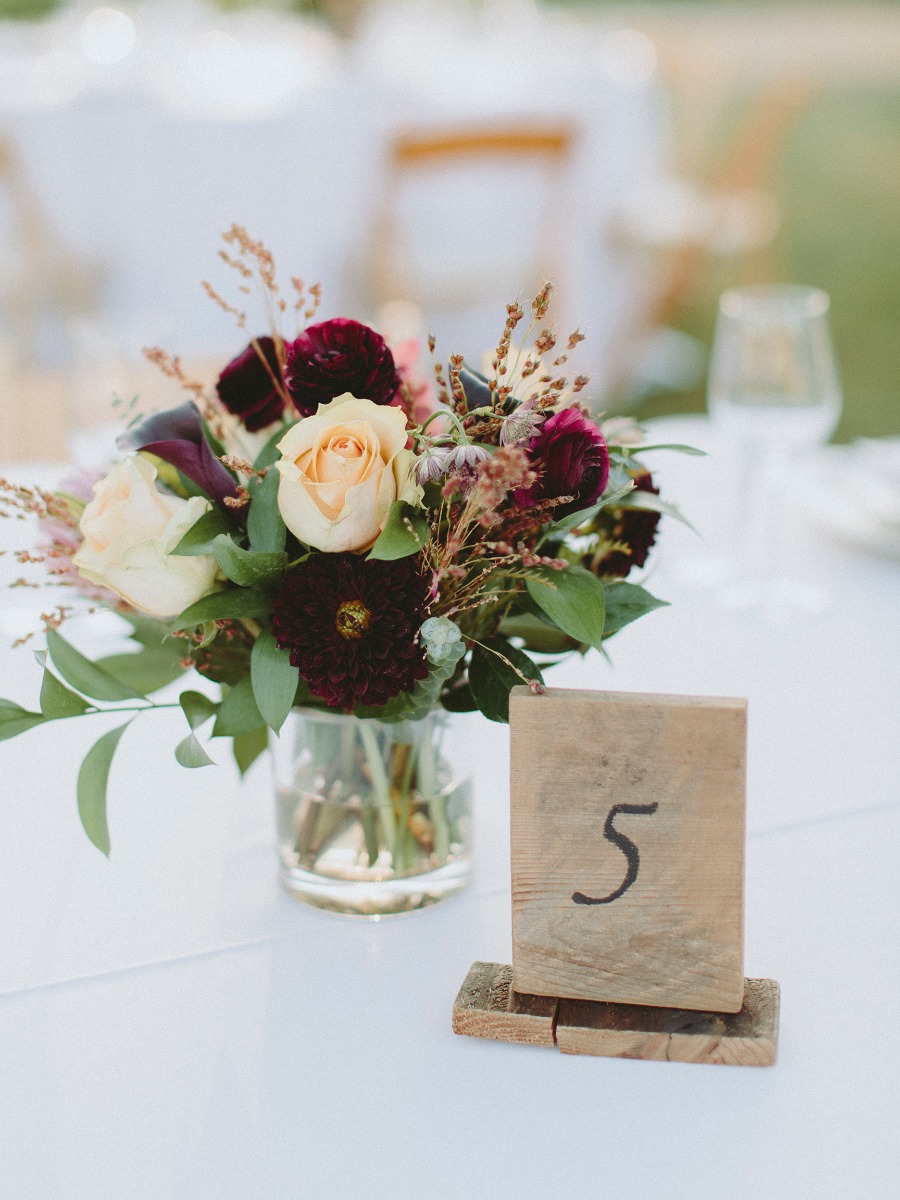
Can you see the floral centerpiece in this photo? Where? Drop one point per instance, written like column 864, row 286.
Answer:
column 325, row 531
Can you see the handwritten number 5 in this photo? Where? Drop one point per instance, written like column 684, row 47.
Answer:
column 626, row 845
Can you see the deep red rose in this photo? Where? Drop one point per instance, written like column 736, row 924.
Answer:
column 339, row 356
column 570, row 453
column 246, row 387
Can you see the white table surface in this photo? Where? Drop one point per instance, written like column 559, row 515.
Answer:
column 174, row 1026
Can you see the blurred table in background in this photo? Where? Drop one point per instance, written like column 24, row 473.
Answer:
column 139, row 140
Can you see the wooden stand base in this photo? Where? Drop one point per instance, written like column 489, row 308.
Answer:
column 488, row 1007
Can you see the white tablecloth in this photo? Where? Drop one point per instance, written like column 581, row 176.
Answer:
column 174, row 1027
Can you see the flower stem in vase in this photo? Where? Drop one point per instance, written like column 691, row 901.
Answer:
column 434, row 802
column 380, row 786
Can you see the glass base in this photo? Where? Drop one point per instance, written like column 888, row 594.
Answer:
column 377, row 898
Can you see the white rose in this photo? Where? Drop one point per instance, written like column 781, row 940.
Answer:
column 130, row 529
column 341, row 470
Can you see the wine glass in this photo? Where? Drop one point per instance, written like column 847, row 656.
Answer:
column 775, row 393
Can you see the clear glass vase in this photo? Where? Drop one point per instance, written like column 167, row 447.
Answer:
column 372, row 817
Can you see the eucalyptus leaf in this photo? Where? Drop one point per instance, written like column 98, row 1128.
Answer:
column 233, row 603
column 191, row 754
column 274, row 680
column 57, row 702
column 265, row 527
column 15, row 720
column 249, row 746
column 625, row 602
column 405, row 533
column 247, row 567
column 238, row 712
column 573, row 599
column 201, row 535
column 496, row 668
column 83, row 675
column 444, row 648
column 92, row 783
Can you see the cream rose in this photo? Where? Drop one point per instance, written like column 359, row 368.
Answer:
column 130, row 529
column 341, row 470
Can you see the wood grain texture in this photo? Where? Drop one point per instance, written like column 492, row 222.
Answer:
column 487, row 1007
column 673, row 937
column 747, row 1038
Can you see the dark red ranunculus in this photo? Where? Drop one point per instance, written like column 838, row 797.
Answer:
column 570, row 453
column 339, row 356
column 247, row 389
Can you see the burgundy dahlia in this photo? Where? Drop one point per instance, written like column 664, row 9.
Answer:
column 339, row 356
column 351, row 626
column 632, row 527
column 247, row 386
column 570, row 453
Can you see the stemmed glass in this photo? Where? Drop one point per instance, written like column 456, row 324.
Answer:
column 774, row 391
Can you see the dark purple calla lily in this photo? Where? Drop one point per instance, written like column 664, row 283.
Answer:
column 176, row 436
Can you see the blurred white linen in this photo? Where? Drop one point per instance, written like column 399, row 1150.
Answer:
column 853, row 493
column 147, row 134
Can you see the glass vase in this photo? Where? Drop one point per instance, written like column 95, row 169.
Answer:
column 372, row 817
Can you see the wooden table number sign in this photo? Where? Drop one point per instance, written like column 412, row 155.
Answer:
column 627, row 819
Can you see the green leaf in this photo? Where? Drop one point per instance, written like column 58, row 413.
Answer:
column 405, row 533
column 274, row 680
column 270, row 452
column 197, row 708
column 637, row 450
column 537, row 634
column 148, row 670
column 613, row 499
column 191, row 754
column 246, row 567
column 57, row 702
column 573, row 599
column 625, row 602
column 233, row 603
column 492, row 677
column 215, row 444
column 264, row 524
column 15, row 720
column 239, row 712
column 83, row 675
column 151, row 632
column 201, row 535
column 459, row 699
column 249, row 746
column 92, row 780
column 652, row 503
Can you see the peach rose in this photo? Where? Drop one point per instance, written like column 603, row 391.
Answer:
column 341, row 470
column 130, row 529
